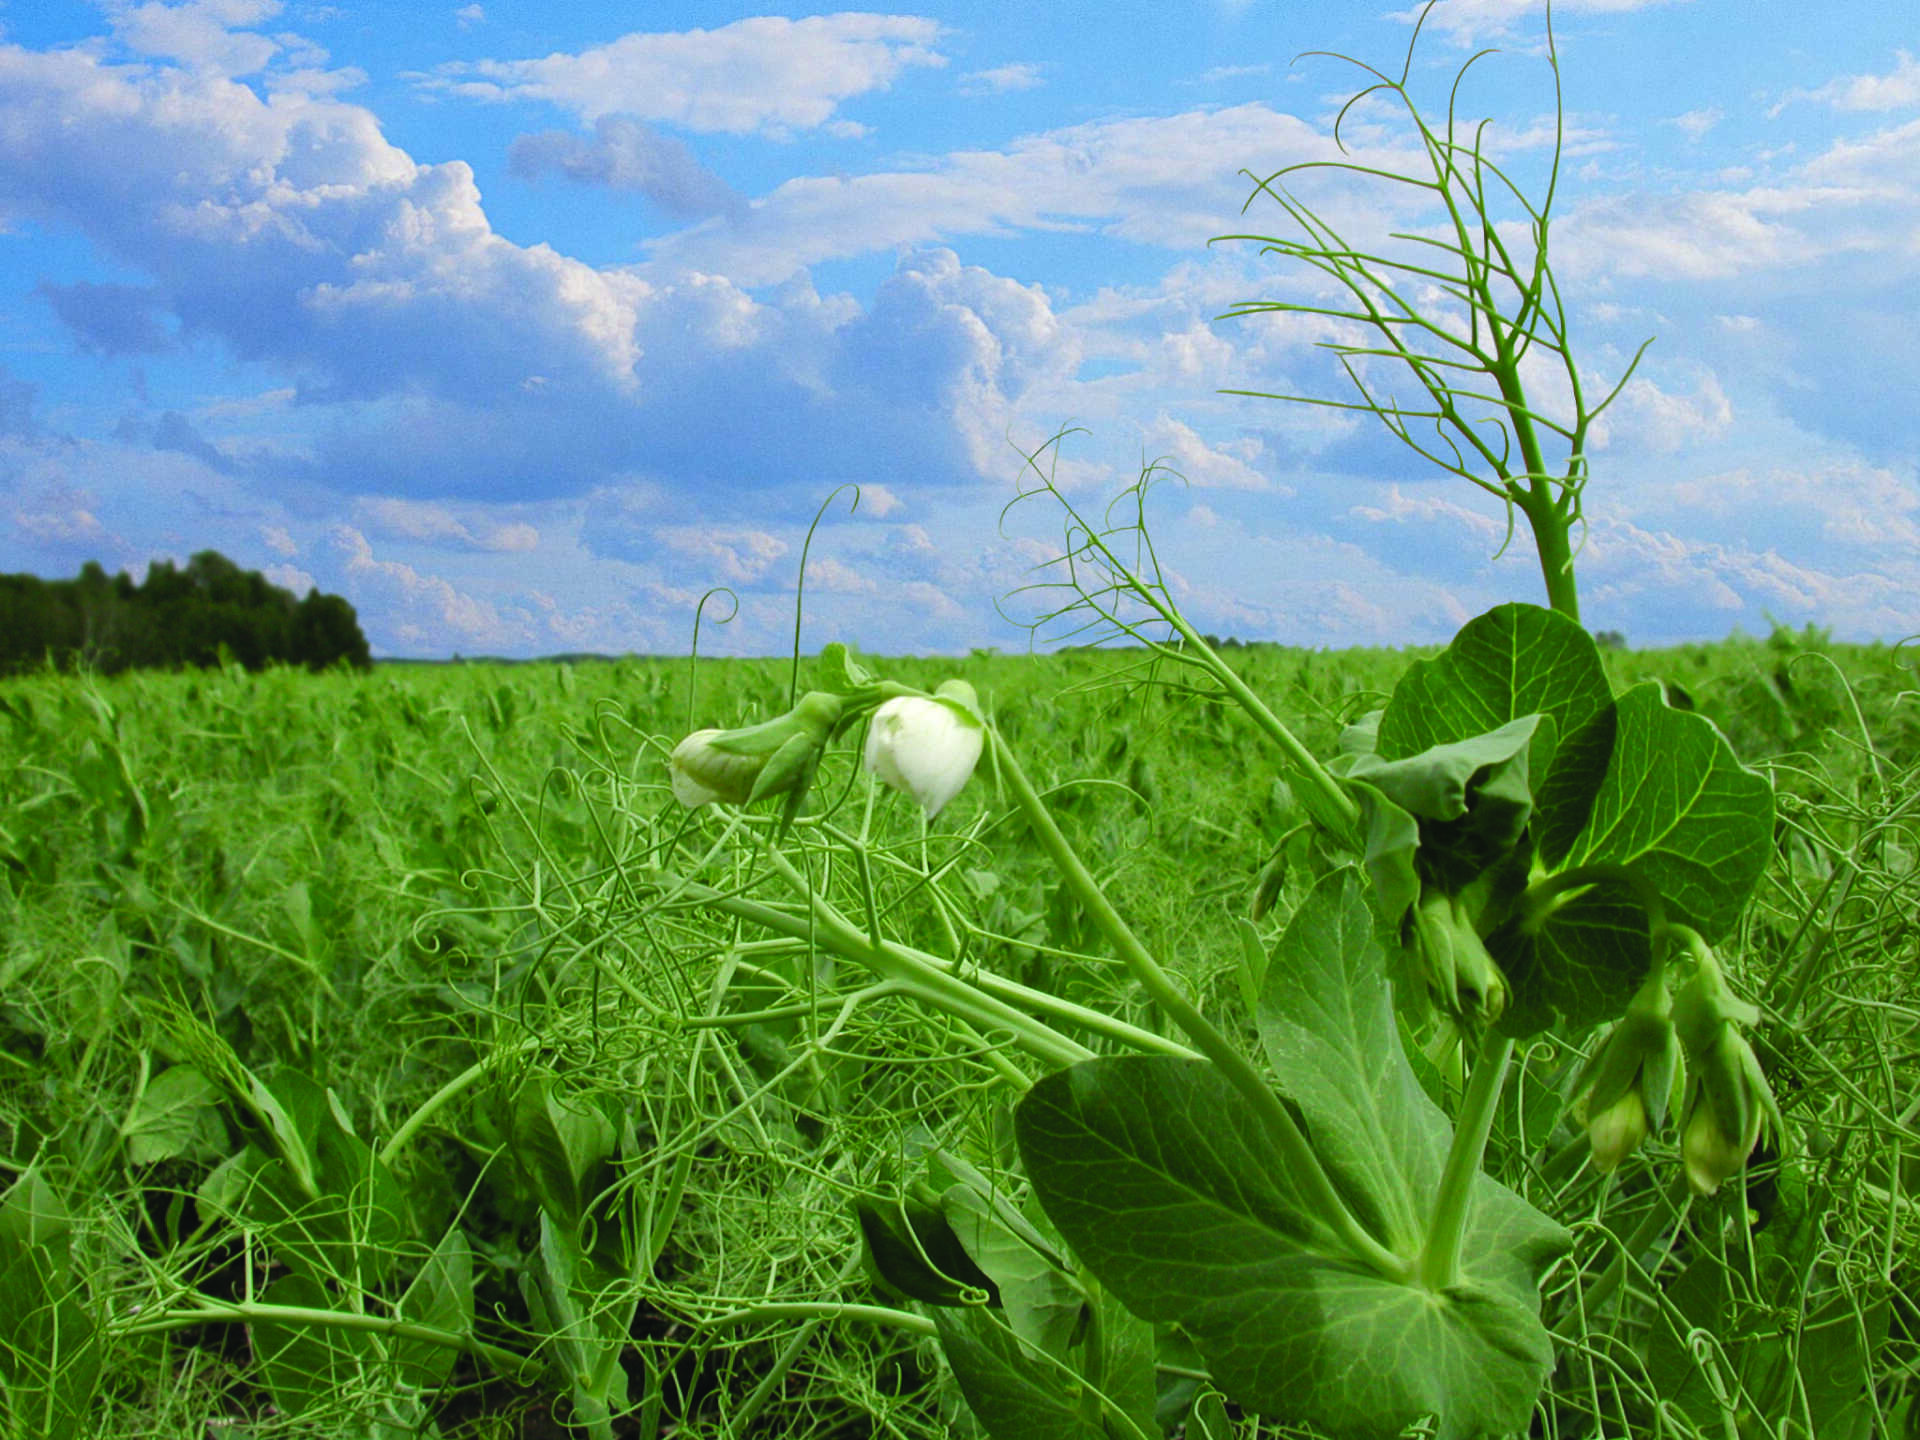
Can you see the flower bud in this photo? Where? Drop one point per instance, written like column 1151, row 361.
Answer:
column 702, row 772
column 1632, row 1077
column 1730, row 1101
column 927, row 748
column 1616, row 1132
column 1463, row 979
column 775, row 757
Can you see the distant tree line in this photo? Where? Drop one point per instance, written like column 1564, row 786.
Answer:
column 177, row 617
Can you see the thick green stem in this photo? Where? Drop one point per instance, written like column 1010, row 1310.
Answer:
column 209, row 1310
column 1303, row 1166
column 448, row 1092
column 925, row 982
column 1550, row 539
column 803, row 929
column 1440, row 1260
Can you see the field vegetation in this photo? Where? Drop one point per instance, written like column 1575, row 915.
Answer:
column 388, row 925
column 1144, row 1037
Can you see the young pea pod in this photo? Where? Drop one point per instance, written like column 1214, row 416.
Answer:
column 1463, row 979
column 1729, row 1101
column 1633, row 1077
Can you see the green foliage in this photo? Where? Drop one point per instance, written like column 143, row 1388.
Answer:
column 153, row 828
column 208, row 614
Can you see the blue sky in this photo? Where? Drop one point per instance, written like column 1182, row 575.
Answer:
column 522, row 327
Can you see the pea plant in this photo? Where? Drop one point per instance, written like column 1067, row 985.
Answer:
column 1179, row 1212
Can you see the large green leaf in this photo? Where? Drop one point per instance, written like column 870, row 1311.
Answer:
column 1171, row 1189
column 441, row 1295
column 1326, row 1019
column 1680, row 810
column 1016, row 1391
column 1514, row 660
column 1455, row 808
column 1582, row 965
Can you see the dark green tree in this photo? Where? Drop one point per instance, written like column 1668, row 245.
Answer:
column 207, row 612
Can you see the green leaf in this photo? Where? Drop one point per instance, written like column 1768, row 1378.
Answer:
column 1677, row 807
column 173, row 1115
column 308, row 1367
column 1450, row 811
column 1582, row 965
column 294, row 1107
column 50, row 1347
column 1120, row 1366
column 1170, row 1188
column 1326, row 1020
column 913, row 1248
column 1514, row 660
column 441, row 1295
column 561, row 1145
column 1043, row 1303
column 1015, row 1391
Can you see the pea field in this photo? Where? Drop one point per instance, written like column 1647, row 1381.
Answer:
column 392, row 1054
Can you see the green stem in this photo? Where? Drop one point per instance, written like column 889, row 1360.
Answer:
column 209, row 1310
column 1440, row 1259
column 826, row 1310
column 925, row 982
column 433, row 1104
column 1303, row 1166
column 797, row 927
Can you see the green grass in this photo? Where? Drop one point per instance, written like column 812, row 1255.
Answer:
column 440, row 920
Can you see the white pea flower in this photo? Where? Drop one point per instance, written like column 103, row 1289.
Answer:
column 700, row 774
column 926, row 748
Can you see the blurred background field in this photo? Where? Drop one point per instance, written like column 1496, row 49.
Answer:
column 387, row 922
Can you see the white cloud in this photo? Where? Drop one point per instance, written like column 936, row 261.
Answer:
column 878, row 501
column 291, row 578
column 1169, row 181
column 767, row 75
column 436, row 524
column 731, row 554
column 280, row 541
column 1899, row 89
column 1484, row 525
column 1227, row 466
column 1647, row 417
column 470, row 15
column 206, row 34
column 418, row 609
column 1696, row 123
column 1003, row 79
column 1468, row 22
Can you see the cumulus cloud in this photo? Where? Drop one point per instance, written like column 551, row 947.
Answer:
column 1003, row 79
column 421, row 610
column 625, row 154
column 291, row 230
column 1469, row 22
column 436, row 524
column 210, row 35
column 1898, row 89
column 766, row 75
